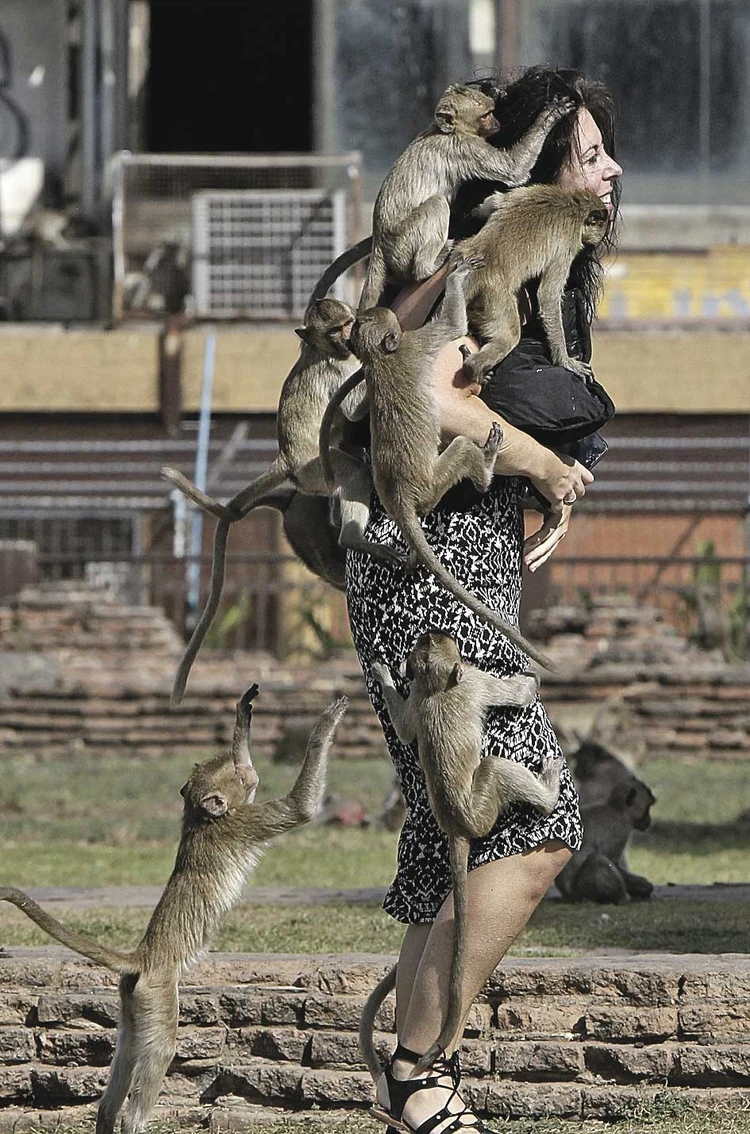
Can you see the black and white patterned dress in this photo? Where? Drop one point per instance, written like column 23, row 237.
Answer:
column 389, row 608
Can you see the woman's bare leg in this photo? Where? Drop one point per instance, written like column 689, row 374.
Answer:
column 502, row 896
column 412, row 948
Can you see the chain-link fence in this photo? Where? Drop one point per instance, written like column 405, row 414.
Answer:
column 229, row 237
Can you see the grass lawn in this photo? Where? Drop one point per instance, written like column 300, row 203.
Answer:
column 95, row 821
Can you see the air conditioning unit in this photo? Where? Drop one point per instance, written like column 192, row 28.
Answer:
column 257, row 253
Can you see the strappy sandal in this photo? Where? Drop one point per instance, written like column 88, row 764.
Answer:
column 401, row 1090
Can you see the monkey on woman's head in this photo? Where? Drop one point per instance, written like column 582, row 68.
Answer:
column 223, row 833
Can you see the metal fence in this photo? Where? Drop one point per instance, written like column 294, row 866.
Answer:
column 226, row 237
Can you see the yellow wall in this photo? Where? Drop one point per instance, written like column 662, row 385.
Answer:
column 46, row 370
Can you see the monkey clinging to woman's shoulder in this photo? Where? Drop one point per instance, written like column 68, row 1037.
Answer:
column 223, row 832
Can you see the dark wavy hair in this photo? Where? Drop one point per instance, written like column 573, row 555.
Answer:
column 517, row 105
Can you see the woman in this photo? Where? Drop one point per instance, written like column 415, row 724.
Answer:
column 480, row 538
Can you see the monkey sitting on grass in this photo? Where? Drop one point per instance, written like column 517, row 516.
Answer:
column 444, row 713
column 223, row 832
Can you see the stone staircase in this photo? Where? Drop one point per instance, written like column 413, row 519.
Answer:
column 593, row 1037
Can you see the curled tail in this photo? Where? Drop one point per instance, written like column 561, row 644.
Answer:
column 459, row 856
column 367, row 1022
column 110, row 958
column 244, row 502
column 414, row 535
column 326, row 423
column 346, row 260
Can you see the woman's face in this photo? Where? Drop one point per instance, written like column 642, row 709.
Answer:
column 589, row 165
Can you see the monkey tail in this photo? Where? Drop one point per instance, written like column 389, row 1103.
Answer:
column 346, row 260
column 414, row 534
column 111, row 959
column 234, row 509
column 326, row 423
column 367, row 1022
column 375, row 281
column 459, row 856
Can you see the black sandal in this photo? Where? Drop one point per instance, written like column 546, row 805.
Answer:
column 401, row 1090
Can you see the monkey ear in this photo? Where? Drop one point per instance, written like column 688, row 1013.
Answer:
column 183, row 789
column 458, row 674
column 390, row 342
column 409, row 671
column 215, row 805
column 303, row 333
column 445, row 121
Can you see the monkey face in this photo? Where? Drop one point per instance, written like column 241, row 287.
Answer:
column 465, row 110
column 375, row 331
column 218, row 787
column 436, row 660
column 595, row 225
column 327, row 328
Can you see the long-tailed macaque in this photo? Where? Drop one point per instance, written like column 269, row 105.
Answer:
column 410, row 473
column 529, row 232
column 444, row 714
column 412, row 209
column 223, row 832
column 598, row 872
column 325, row 362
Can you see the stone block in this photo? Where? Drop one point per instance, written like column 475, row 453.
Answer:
column 61, row 1008
column 538, row 1061
column 200, row 1043
column 340, row 1050
column 532, row 1021
column 699, row 1066
column 715, row 1021
column 337, row 1087
column 15, row 1084
column 76, row 1048
column 258, row 1081
column 199, row 1006
column 624, row 1063
column 639, row 986
column 16, row 1007
column 344, row 1012
column 479, row 1020
column 284, row 1009
column 286, row 1044
column 476, row 1057
column 239, row 1008
column 629, row 1025
column 506, row 984
column 538, row 1100
column 60, row 1084
column 610, row 1103
column 16, row 1045
column 716, row 981
column 347, row 979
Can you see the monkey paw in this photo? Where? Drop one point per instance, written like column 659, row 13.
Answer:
column 561, row 106
column 475, row 369
column 522, row 688
column 381, row 673
column 494, row 441
column 582, row 369
column 550, row 773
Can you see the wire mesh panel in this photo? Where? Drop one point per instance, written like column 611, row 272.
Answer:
column 258, row 253
column 154, row 198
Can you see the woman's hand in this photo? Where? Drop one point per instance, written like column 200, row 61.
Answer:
column 538, row 547
column 560, row 480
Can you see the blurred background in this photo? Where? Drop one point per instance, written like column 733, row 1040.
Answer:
column 175, row 174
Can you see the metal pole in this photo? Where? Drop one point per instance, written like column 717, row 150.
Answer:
column 324, row 84
column 201, row 469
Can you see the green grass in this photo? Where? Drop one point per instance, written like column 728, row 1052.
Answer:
column 89, row 821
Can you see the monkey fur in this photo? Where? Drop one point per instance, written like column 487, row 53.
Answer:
column 410, row 473
column 444, row 714
column 412, row 209
column 223, row 832
column 530, row 232
column 325, row 361
column 598, row 872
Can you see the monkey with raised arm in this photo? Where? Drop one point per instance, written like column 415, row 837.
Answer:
column 444, row 713
column 412, row 210
column 532, row 232
column 223, row 833
column 325, row 362
column 410, row 473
